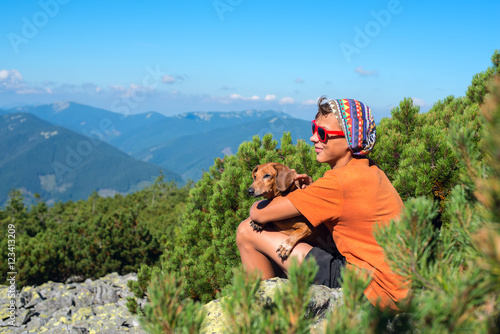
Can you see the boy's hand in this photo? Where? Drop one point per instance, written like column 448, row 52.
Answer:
column 303, row 179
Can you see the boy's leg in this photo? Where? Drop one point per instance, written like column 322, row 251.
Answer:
column 329, row 267
column 258, row 250
column 328, row 258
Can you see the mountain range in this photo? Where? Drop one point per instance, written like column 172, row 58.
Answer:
column 61, row 165
column 189, row 155
column 125, row 151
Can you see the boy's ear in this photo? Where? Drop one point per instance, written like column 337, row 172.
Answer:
column 284, row 177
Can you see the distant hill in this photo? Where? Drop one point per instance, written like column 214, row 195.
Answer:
column 134, row 133
column 91, row 121
column 187, row 124
column 190, row 155
column 59, row 164
column 186, row 143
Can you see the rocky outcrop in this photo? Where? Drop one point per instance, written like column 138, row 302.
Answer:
column 86, row 307
column 323, row 301
column 98, row 306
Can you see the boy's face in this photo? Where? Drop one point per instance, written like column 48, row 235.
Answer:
column 335, row 151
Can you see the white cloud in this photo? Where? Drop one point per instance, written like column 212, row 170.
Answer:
column 24, row 91
column 299, row 80
column 137, row 91
column 418, row 102
column 126, row 97
column 11, row 80
column 168, row 79
column 131, row 89
column 364, row 72
column 310, row 102
column 90, row 87
column 287, row 100
column 10, row 75
column 116, row 88
column 125, row 92
column 236, row 97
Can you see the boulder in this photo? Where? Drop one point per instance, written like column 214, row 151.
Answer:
column 323, row 301
column 75, row 307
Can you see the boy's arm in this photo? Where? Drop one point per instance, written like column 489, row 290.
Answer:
column 266, row 211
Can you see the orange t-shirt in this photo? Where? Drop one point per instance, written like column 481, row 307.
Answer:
column 350, row 201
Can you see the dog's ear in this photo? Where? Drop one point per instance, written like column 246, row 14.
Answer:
column 284, row 178
column 254, row 171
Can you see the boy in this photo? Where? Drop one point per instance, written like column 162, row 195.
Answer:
column 349, row 200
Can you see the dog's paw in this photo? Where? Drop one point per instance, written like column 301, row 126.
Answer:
column 284, row 250
column 256, row 227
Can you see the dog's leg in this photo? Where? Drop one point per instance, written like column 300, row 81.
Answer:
column 256, row 227
column 285, row 248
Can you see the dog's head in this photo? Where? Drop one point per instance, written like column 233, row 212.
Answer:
column 272, row 179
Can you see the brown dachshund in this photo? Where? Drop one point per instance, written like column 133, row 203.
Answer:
column 273, row 179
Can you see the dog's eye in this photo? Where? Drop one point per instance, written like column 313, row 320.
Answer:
column 267, row 176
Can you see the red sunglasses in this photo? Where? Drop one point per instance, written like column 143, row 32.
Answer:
column 322, row 133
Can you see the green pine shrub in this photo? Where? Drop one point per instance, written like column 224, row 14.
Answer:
column 478, row 89
column 113, row 242
column 287, row 313
column 356, row 315
column 206, row 251
column 414, row 148
column 94, row 237
column 167, row 312
column 455, row 270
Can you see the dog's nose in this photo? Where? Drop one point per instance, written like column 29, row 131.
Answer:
column 251, row 191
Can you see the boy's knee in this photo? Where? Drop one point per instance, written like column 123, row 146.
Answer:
column 243, row 232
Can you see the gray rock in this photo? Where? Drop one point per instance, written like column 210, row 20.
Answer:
column 83, row 297
column 75, row 278
column 323, row 301
column 25, row 296
column 104, row 294
column 36, row 322
column 92, row 306
column 80, row 330
column 26, row 316
column 54, row 304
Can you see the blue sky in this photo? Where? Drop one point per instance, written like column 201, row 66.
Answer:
column 229, row 55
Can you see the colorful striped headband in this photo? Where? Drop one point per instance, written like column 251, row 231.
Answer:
column 358, row 124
